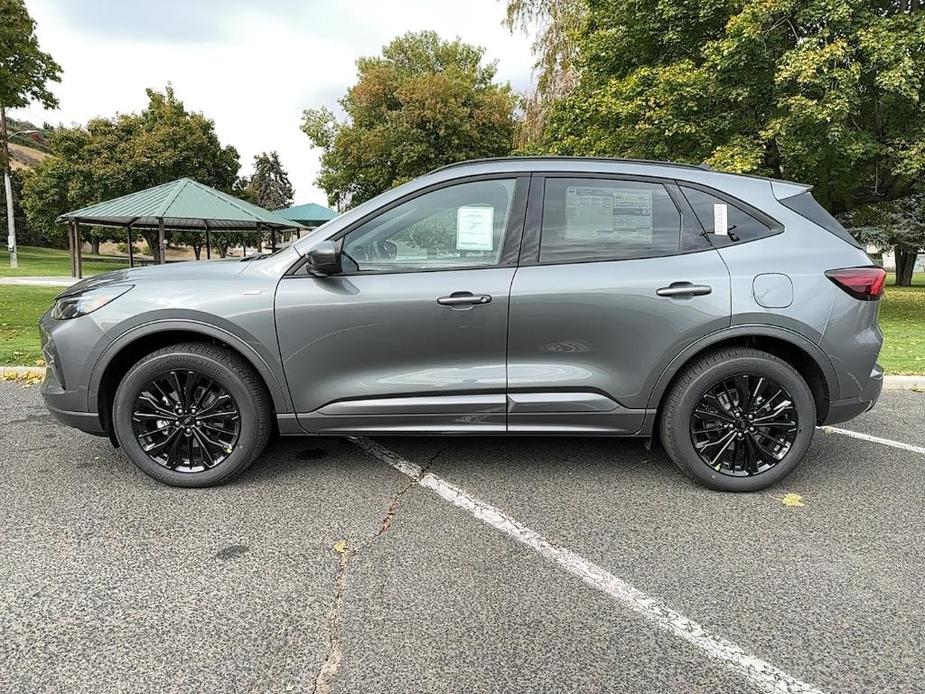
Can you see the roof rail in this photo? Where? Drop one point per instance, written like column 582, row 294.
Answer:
column 569, row 158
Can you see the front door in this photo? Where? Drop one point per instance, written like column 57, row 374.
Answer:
column 412, row 335
column 615, row 280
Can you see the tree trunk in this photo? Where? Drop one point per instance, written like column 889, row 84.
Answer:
column 197, row 249
column 222, row 250
column 94, row 245
column 151, row 240
column 905, row 264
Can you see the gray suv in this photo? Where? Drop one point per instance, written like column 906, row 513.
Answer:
column 728, row 314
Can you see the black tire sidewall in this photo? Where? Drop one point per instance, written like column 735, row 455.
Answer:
column 771, row 368
column 142, row 373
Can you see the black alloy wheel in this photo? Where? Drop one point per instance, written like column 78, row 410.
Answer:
column 744, row 425
column 186, row 421
column 738, row 419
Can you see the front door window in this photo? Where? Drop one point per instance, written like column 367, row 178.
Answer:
column 460, row 226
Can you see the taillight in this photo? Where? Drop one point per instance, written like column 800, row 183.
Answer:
column 864, row 283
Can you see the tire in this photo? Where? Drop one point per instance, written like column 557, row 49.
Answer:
column 718, row 429
column 208, row 380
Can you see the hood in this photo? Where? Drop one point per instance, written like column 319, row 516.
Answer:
column 193, row 270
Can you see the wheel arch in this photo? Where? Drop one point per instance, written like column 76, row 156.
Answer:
column 128, row 348
column 807, row 358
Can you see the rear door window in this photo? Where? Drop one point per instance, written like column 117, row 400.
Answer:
column 598, row 219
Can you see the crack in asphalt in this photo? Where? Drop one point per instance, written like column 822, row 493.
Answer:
column 332, row 661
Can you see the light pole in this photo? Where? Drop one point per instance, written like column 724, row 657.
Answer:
column 8, row 186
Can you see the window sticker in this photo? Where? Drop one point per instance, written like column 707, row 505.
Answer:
column 475, row 228
column 721, row 219
column 608, row 214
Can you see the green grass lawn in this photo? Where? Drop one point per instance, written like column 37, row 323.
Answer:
column 20, row 308
column 902, row 318
column 53, row 262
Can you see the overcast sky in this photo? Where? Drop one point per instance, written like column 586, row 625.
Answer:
column 252, row 67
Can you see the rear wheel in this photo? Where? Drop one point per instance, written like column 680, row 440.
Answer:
column 192, row 415
column 738, row 420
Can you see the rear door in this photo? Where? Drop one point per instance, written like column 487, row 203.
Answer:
column 615, row 280
column 412, row 336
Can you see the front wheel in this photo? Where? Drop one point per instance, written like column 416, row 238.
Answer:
column 192, row 415
column 738, row 420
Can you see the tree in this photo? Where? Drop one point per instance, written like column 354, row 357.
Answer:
column 124, row 154
column 557, row 25
column 423, row 103
column 828, row 92
column 897, row 225
column 25, row 72
column 269, row 185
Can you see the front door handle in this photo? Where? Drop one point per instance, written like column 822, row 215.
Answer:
column 463, row 299
column 684, row 289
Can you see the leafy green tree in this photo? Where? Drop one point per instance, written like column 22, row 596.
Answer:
column 423, row 103
column 269, row 185
column 896, row 225
column 830, row 92
column 556, row 25
column 24, row 232
column 124, row 154
column 25, row 70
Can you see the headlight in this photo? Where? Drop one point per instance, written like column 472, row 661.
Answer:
column 87, row 302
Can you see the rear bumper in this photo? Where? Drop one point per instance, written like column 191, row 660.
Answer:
column 849, row 408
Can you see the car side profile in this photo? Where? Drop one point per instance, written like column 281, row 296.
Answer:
column 727, row 315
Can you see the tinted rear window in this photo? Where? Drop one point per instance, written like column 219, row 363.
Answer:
column 805, row 205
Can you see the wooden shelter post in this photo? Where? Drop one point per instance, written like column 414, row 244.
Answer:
column 131, row 252
column 273, row 240
column 72, row 252
column 208, row 241
column 161, row 242
column 79, row 251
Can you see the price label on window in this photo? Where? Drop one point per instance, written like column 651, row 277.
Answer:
column 475, row 228
column 721, row 219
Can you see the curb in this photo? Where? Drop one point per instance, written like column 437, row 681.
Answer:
column 916, row 383
column 21, row 371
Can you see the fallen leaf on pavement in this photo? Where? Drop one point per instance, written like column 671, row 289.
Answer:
column 792, row 499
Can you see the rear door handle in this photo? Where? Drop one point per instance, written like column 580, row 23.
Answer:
column 684, row 289
column 463, row 299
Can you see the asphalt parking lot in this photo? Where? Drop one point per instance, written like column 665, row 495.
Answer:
column 324, row 568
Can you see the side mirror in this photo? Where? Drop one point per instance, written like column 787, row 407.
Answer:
column 324, row 259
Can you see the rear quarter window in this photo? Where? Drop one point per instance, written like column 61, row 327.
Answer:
column 805, row 205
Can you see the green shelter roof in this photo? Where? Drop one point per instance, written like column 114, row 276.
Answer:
column 183, row 205
column 309, row 214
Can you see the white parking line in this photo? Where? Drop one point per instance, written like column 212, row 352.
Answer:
column 875, row 439
column 762, row 674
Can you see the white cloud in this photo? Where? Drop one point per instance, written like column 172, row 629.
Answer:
column 256, row 68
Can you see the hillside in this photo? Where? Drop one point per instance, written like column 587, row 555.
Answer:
column 27, row 150
column 22, row 157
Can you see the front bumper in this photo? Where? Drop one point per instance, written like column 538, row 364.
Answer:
column 67, row 406
column 88, row 422
column 849, row 408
